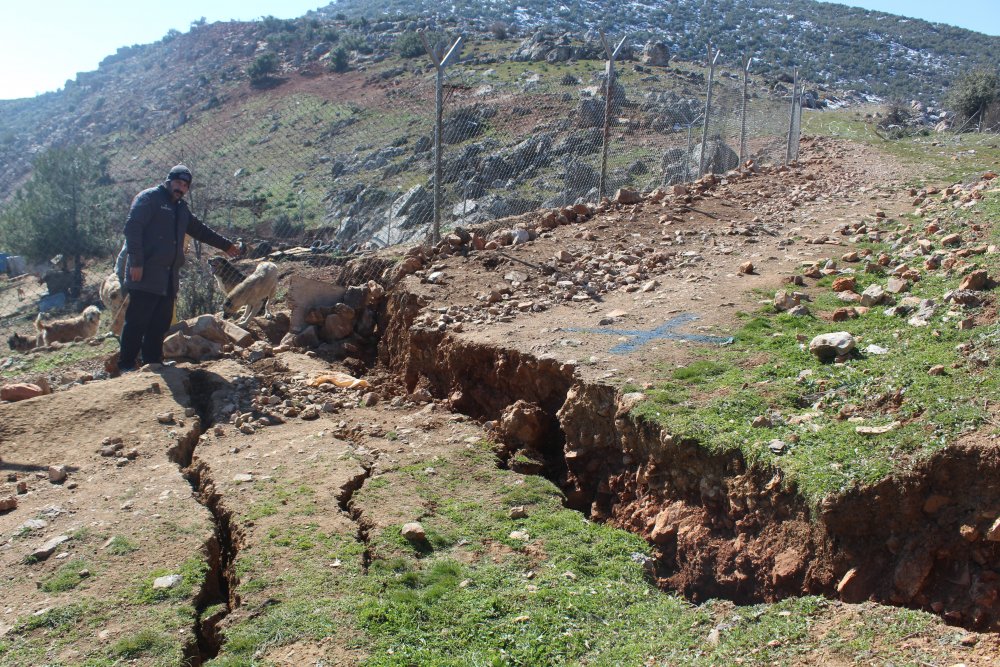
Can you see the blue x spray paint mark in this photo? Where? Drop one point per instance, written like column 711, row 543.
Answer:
column 664, row 331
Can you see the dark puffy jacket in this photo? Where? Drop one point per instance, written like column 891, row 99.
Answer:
column 154, row 239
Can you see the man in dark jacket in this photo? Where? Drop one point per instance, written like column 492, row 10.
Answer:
column 154, row 245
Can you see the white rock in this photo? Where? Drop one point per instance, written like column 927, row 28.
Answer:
column 829, row 346
column 414, row 532
column 167, row 582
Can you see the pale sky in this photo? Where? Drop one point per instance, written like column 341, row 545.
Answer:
column 979, row 15
column 45, row 42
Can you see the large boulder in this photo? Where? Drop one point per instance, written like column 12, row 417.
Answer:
column 719, row 157
column 656, row 54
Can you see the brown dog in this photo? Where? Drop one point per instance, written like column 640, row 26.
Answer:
column 115, row 300
column 69, row 329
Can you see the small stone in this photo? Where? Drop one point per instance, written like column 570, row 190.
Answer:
column 57, row 474
column 627, row 196
column 937, row 369
column 369, row 400
column 8, row 503
column 518, row 512
column 897, row 285
column 877, row 430
column 872, row 296
column 977, row 280
column 830, row 346
column 746, row 268
column 798, row 311
column 310, row 413
column 414, row 532
column 761, row 421
column 189, row 412
column 968, row 533
column 521, row 535
column 777, row 446
column 165, row 417
column 993, row 534
column 47, row 549
column 20, row 391
column 844, row 284
column 167, row 582
column 844, row 314
column 242, row 477
column 784, row 301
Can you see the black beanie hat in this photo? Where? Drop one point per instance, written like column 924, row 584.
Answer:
column 180, row 172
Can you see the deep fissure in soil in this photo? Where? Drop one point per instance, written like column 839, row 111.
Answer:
column 219, row 586
column 720, row 528
column 345, row 501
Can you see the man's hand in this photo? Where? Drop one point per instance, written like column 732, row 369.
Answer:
column 135, row 274
column 233, row 250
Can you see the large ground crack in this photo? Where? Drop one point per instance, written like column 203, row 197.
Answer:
column 718, row 526
column 345, row 499
column 217, row 597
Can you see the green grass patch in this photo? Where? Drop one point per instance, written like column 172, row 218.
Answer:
column 67, row 577
column 817, row 408
column 148, row 643
column 942, row 157
column 192, row 572
column 44, row 362
column 121, row 546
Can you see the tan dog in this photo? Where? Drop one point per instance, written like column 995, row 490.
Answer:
column 115, row 301
column 66, row 330
column 227, row 276
column 253, row 292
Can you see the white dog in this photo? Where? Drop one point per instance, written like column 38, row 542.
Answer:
column 66, row 330
column 255, row 291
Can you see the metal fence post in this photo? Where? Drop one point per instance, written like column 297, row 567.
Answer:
column 743, row 113
column 609, row 80
column 798, row 124
column 440, row 63
column 687, row 156
column 708, row 108
column 791, row 117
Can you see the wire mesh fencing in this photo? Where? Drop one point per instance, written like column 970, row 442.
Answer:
column 309, row 172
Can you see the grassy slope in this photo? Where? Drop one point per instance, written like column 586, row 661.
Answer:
column 715, row 402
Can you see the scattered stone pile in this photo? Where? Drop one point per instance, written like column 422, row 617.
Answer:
column 341, row 328
column 941, row 247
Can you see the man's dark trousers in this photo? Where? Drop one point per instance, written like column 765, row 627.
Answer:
column 146, row 322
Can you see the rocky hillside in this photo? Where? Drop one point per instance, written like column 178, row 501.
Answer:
column 320, row 124
column 840, row 46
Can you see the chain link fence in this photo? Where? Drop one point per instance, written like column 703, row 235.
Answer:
column 320, row 174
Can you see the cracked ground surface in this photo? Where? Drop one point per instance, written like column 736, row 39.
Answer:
column 304, row 569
